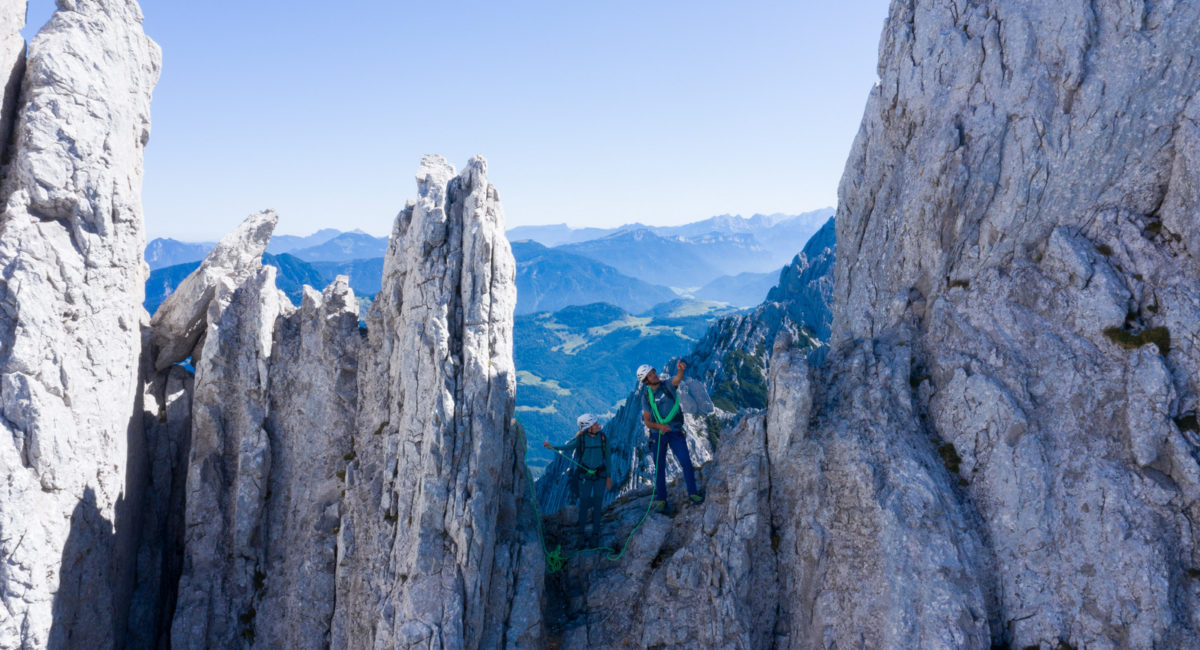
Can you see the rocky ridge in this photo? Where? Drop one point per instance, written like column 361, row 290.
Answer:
column 71, row 237
column 1017, row 224
column 295, row 490
column 439, row 539
column 998, row 448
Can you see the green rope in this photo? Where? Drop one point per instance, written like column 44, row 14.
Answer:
column 556, row 560
column 573, row 461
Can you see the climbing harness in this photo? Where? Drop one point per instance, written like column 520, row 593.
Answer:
column 557, row 559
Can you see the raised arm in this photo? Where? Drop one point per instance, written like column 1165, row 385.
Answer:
column 678, row 378
column 570, row 444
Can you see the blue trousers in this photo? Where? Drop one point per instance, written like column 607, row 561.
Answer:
column 677, row 441
column 591, row 497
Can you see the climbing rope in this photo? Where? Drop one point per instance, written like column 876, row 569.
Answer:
column 574, row 462
column 557, row 559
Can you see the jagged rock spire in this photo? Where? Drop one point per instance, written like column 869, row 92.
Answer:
column 438, row 544
column 71, row 241
column 179, row 322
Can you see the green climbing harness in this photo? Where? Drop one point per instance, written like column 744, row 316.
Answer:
column 654, row 407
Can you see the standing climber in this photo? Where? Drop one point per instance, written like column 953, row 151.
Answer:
column 590, row 449
column 661, row 414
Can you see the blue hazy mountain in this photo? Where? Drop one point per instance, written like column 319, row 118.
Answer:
column 164, row 252
column 287, row 243
column 366, row 276
column 737, row 244
column 741, row 290
column 356, row 245
column 558, row 234
column 549, row 279
column 640, row 253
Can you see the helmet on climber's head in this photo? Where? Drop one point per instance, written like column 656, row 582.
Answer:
column 642, row 371
column 585, row 421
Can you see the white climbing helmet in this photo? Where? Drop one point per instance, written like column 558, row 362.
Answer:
column 642, row 371
column 586, row 421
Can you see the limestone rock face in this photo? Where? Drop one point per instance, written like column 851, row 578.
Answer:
column 167, row 425
column 12, row 66
column 438, row 546
column 875, row 541
column 179, row 322
column 704, row 578
column 71, row 238
column 806, row 285
column 229, row 469
column 272, row 418
column 313, row 398
column 1019, row 215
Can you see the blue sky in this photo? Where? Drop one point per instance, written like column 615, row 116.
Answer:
column 590, row 113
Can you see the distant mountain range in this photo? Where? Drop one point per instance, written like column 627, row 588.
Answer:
column 741, row 290
column 161, row 253
column 288, row 243
column 549, row 279
column 668, row 261
column 735, row 244
column 355, row 245
column 726, row 258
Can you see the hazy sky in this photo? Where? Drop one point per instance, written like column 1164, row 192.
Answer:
column 589, row 113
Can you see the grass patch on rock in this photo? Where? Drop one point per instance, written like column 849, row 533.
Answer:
column 1159, row 336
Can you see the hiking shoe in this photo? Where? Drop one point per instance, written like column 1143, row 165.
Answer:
column 696, row 499
column 659, row 506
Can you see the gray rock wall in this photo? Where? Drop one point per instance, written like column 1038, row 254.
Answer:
column 12, row 67
column 71, row 241
column 229, row 470
column 1019, row 211
column 438, row 547
column 876, row 543
column 271, row 422
column 313, row 401
column 703, row 578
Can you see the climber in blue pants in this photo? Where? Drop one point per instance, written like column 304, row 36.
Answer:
column 661, row 413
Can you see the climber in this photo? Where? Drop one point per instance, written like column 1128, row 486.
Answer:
column 659, row 398
column 591, row 459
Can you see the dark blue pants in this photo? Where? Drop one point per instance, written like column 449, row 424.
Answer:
column 591, row 497
column 677, row 441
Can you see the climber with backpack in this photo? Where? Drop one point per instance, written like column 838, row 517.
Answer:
column 662, row 415
column 590, row 456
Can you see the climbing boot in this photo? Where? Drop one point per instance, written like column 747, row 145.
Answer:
column 696, row 499
column 660, row 506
